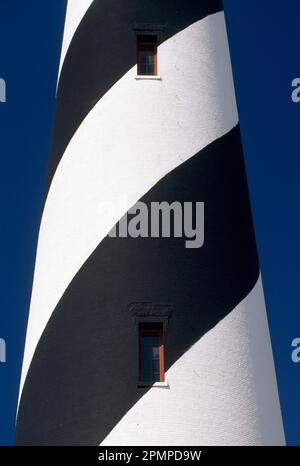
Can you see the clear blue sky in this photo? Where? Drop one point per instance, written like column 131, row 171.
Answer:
column 265, row 48
column 265, row 51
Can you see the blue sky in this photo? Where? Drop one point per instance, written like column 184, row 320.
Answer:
column 265, row 50
column 265, row 46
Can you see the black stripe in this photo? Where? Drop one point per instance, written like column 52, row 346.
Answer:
column 82, row 379
column 103, row 49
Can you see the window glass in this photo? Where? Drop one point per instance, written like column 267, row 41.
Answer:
column 151, row 354
column 147, row 55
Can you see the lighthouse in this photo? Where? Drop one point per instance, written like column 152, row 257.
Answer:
column 138, row 339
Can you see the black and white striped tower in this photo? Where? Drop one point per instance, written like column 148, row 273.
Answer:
column 170, row 134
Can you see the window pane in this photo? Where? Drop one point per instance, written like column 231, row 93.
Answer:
column 151, row 58
column 156, row 366
column 147, row 363
column 151, row 62
column 156, row 378
column 155, row 352
column 143, row 68
column 143, row 57
column 151, row 338
column 150, row 357
column 151, row 69
column 147, row 47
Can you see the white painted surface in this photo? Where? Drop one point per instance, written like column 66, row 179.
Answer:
column 136, row 134
column 223, row 391
column 76, row 10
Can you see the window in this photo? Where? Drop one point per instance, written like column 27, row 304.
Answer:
column 151, row 353
column 147, row 55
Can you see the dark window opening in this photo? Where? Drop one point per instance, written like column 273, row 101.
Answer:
column 147, row 55
column 151, row 353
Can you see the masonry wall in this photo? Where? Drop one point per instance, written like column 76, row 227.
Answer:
column 118, row 139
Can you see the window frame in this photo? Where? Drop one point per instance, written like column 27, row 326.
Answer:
column 152, row 328
column 143, row 40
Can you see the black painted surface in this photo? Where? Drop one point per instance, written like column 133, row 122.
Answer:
column 103, row 49
column 83, row 376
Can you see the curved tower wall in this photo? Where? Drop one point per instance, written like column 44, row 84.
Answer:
column 118, row 140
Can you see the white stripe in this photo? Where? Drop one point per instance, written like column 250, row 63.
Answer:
column 136, row 134
column 223, row 391
column 76, row 10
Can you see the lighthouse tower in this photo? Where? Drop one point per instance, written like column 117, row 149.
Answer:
column 140, row 340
